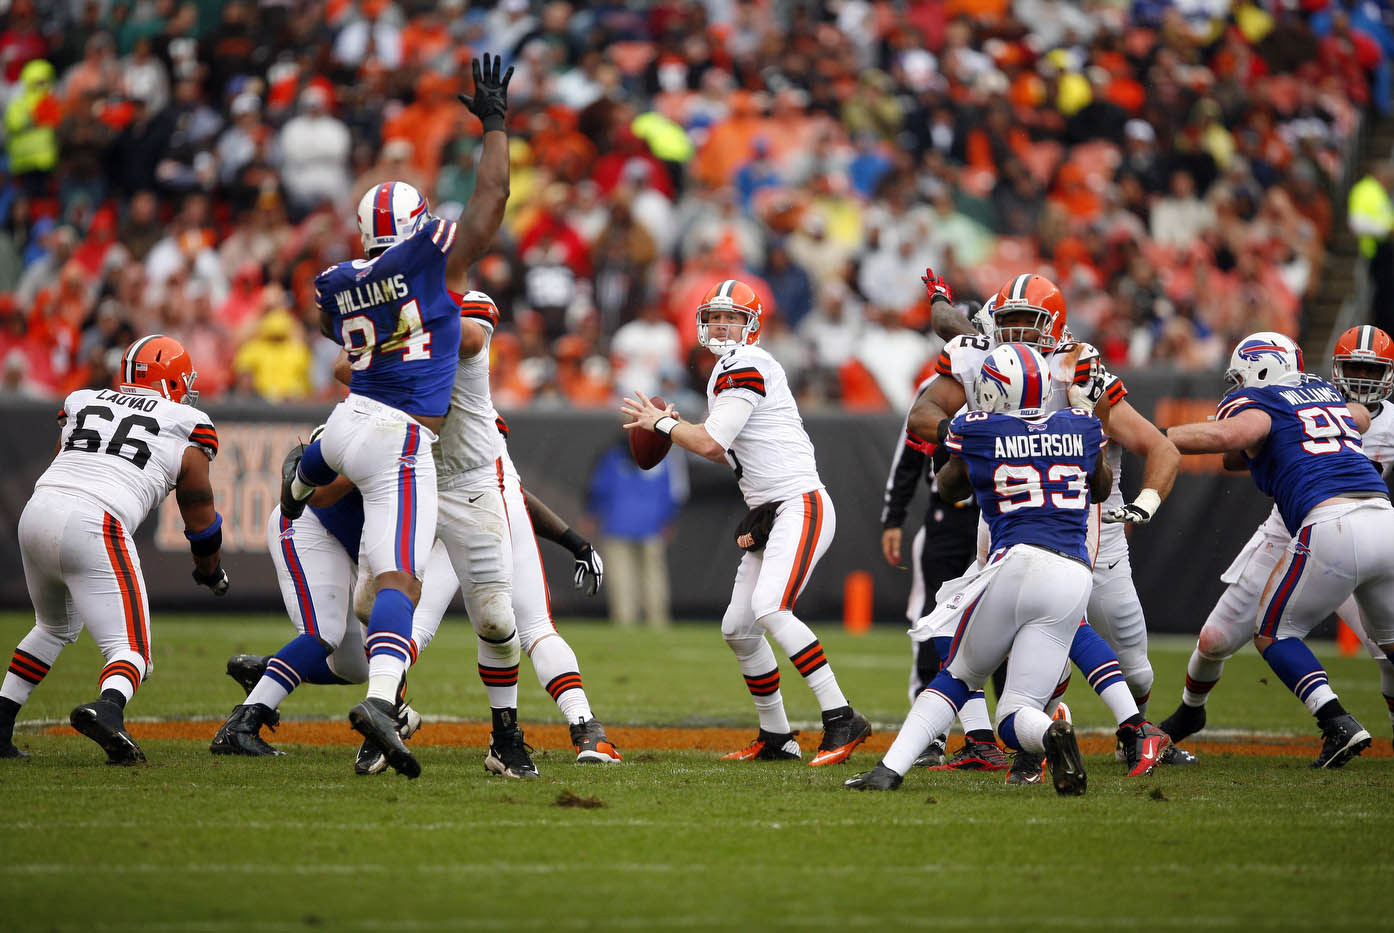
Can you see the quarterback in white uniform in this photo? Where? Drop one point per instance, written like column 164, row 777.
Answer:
column 1362, row 367
column 753, row 425
column 120, row 453
column 1030, row 309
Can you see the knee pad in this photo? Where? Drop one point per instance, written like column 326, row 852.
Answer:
column 491, row 611
column 487, row 564
column 1220, row 642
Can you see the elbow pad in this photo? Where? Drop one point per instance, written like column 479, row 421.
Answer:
column 209, row 540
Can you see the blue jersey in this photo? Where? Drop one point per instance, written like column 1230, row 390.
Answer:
column 1313, row 450
column 1031, row 478
column 344, row 520
column 397, row 321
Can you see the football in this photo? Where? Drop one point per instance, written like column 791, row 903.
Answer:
column 649, row 447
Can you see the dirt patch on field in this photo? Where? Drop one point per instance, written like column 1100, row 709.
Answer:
column 636, row 738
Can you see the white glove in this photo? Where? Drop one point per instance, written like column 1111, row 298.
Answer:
column 1137, row 512
column 1087, row 394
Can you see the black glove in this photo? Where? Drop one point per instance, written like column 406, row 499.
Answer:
column 589, row 570
column 754, row 529
column 490, row 102
column 217, row 581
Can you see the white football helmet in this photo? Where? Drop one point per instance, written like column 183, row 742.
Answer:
column 388, row 214
column 1014, row 378
column 1262, row 359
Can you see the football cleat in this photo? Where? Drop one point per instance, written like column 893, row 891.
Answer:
column 1062, row 713
column 591, row 744
column 241, row 734
column 376, row 719
column 1342, row 739
column 1066, row 763
column 935, row 754
column 247, row 669
column 842, row 732
column 1142, row 747
column 291, row 507
column 10, row 750
column 768, row 746
column 1185, row 722
column 976, row 756
column 370, row 759
column 1176, row 755
column 102, row 722
column 508, row 755
column 878, row 778
column 1028, row 767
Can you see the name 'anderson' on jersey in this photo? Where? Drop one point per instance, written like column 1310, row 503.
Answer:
column 399, row 324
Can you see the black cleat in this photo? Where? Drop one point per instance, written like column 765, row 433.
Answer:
column 1184, row 723
column 842, row 732
column 878, row 778
column 291, row 507
column 376, row 720
column 768, row 746
column 1027, row 768
column 1066, row 763
column 241, row 734
column 102, row 722
column 1175, row 755
column 508, row 754
column 591, row 744
column 370, row 759
column 247, row 669
column 10, row 750
column 935, row 754
column 1342, row 739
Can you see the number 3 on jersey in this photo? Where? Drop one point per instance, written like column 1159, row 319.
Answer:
column 409, row 337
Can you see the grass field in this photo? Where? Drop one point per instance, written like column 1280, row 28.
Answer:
column 671, row 839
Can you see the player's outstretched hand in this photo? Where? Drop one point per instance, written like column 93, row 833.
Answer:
column 589, row 570
column 643, row 413
column 936, row 286
column 490, row 101
column 217, row 581
column 1137, row 512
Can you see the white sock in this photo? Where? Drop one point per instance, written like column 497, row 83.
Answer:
column 1202, row 674
column 929, row 715
column 1031, row 725
column 1119, row 700
column 268, row 693
column 560, row 675
column 757, row 661
column 974, row 715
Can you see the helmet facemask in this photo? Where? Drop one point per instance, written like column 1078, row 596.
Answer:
column 1373, row 386
column 1036, row 334
column 737, row 334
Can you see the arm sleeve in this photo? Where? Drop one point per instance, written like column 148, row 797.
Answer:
column 741, row 380
column 728, row 415
column 907, row 466
column 478, row 306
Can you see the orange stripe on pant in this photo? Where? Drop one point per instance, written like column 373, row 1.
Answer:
column 121, row 565
column 808, row 544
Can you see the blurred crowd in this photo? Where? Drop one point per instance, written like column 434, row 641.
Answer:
column 188, row 168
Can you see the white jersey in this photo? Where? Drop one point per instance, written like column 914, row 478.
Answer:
column 962, row 358
column 771, row 454
column 1273, row 534
column 469, row 437
column 124, row 450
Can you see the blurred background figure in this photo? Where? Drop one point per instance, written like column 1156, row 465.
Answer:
column 632, row 511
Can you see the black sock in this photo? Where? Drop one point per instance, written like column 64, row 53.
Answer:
column 9, row 709
column 983, row 735
column 1135, row 720
column 1330, row 710
column 505, row 718
column 832, row 715
column 115, row 696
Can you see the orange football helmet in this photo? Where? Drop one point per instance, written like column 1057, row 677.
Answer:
column 161, row 365
column 1367, row 346
column 730, row 295
column 1034, row 293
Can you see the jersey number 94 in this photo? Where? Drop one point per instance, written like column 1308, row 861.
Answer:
column 410, row 337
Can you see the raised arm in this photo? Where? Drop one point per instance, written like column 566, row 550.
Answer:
column 1245, row 431
column 484, row 211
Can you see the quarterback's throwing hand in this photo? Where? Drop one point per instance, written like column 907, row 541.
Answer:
column 1137, row 512
column 490, row 101
column 589, row 571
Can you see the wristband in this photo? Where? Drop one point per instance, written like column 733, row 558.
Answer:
column 207, row 541
column 1149, row 500
column 494, row 121
column 665, row 425
column 917, row 443
column 572, row 542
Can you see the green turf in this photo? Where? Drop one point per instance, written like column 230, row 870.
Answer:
column 681, row 841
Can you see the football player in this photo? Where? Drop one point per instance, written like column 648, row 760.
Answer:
column 120, row 453
column 1300, row 438
column 1030, row 309
column 316, row 561
column 1033, row 473
column 753, row 425
column 393, row 314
